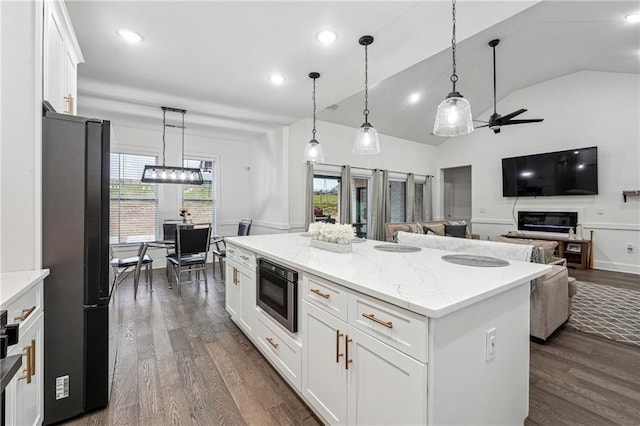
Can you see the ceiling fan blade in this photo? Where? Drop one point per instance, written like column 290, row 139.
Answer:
column 484, row 125
column 513, row 114
column 480, row 121
column 530, row 120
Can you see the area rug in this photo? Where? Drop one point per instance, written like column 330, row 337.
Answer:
column 610, row 312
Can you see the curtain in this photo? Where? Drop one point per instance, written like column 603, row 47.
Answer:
column 380, row 203
column 411, row 198
column 308, row 207
column 345, row 195
column 428, row 199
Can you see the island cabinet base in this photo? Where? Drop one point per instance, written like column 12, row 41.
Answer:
column 359, row 360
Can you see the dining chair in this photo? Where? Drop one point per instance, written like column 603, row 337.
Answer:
column 220, row 252
column 122, row 266
column 192, row 247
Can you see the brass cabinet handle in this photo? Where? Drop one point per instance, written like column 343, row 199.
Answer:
column 27, row 371
column 235, row 276
column 272, row 343
column 69, row 100
column 387, row 324
column 347, row 361
column 25, row 314
column 319, row 293
column 338, row 354
column 33, row 357
column 244, row 257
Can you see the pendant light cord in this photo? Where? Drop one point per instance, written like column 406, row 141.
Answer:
column 183, row 112
column 366, row 85
column 494, row 80
column 313, row 97
column 164, row 129
column 454, row 76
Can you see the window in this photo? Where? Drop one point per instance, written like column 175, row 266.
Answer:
column 133, row 204
column 361, row 187
column 397, row 201
column 200, row 199
column 326, row 198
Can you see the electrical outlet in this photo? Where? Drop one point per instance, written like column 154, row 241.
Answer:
column 483, row 210
column 490, row 344
column 630, row 248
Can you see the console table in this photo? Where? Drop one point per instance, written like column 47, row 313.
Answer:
column 576, row 250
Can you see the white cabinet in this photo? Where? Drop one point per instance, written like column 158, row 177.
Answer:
column 351, row 377
column 240, row 281
column 24, row 394
column 61, row 55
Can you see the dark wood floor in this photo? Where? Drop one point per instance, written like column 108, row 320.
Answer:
column 183, row 361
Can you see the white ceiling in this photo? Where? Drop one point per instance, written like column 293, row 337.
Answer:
column 214, row 58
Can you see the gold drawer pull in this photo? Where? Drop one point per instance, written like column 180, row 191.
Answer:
column 338, row 354
column 235, row 276
column 27, row 371
column 387, row 324
column 347, row 361
column 25, row 314
column 33, row 357
column 272, row 343
column 319, row 293
column 244, row 257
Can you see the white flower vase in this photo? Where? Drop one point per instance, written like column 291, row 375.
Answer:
column 335, row 247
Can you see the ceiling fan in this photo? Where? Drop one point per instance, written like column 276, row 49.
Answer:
column 496, row 120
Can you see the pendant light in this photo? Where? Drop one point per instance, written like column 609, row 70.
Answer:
column 313, row 152
column 366, row 141
column 454, row 113
column 170, row 174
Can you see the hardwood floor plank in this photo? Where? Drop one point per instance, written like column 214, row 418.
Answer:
column 150, row 400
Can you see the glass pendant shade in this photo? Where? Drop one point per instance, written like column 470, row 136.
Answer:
column 453, row 117
column 314, row 152
column 366, row 140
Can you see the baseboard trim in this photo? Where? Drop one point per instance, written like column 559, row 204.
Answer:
column 491, row 221
column 617, row 267
column 613, row 226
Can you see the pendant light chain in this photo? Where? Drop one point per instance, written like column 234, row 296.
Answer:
column 366, row 85
column 183, row 112
column 454, row 76
column 313, row 96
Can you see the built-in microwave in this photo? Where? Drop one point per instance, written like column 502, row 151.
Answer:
column 277, row 293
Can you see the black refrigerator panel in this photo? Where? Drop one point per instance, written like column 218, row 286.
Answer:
column 97, row 215
column 96, row 355
column 63, row 226
column 76, row 250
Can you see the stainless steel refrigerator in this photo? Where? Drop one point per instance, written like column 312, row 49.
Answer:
column 78, row 365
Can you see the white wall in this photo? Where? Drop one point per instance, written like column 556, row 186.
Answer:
column 579, row 110
column 20, row 136
column 458, row 180
column 396, row 154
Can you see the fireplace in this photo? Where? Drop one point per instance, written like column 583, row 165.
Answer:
column 559, row 222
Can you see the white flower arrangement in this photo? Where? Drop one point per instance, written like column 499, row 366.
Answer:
column 333, row 233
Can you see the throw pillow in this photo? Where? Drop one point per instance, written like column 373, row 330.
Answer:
column 458, row 231
column 416, row 228
column 461, row 222
column 436, row 228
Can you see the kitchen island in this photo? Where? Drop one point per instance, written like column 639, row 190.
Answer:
column 392, row 338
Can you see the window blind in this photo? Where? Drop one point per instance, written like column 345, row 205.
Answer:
column 133, row 204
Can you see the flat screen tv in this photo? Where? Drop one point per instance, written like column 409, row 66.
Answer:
column 570, row 172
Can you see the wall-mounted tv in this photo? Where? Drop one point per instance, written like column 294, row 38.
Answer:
column 570, row 172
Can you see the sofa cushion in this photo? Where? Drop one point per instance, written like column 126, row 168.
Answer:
column 546, row 248
column 436, row 228
column 400, row 228
column 459, row 231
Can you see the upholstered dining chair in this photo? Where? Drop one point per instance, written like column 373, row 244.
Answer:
column 122, row 266
column 192, row 247
column 220, row 252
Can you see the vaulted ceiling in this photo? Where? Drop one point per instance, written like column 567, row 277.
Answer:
column 214, row 58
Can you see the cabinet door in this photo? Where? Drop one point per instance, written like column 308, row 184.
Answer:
column 385, row 386
column 232, row 290
column 28, row 396
column 247, row 300
column 53, row 64
column 324, row 377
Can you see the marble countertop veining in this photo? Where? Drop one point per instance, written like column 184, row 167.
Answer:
column 420, row 281
column 15, row 284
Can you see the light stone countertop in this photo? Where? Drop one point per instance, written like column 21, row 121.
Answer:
column 15, row 284
column 420, row 282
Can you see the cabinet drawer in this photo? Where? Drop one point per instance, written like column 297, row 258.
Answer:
column 24, row 310
column 326, row 295
column 242, row 257
column 401, row 329
column 284, row 352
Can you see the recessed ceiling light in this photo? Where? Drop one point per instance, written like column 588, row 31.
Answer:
column 415, row 97
column 129, row 35
column 635, row 17
column 276, row 78
column 327, row 36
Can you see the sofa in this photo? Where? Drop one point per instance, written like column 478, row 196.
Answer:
column 550, row 294
column 437, row 227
